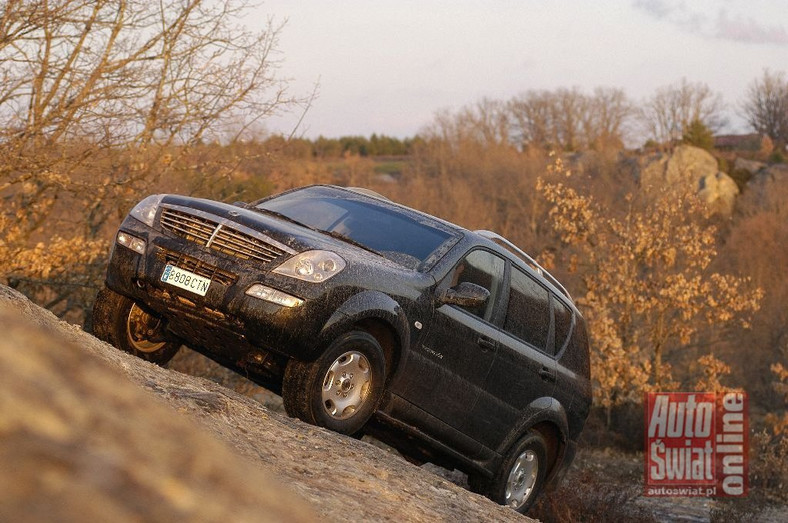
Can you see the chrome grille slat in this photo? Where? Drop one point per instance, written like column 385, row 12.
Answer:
column 191, row 232
column 179, row 222
column 251, row 248
column 242, row 240
column 226, row 239
column 219, row 245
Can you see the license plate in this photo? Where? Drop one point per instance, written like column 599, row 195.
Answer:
column 186, row 280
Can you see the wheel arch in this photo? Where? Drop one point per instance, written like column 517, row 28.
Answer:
column 377, row 314
column 388, row 339
column 551, row 422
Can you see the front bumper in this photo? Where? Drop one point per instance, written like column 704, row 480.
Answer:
column 225, row 321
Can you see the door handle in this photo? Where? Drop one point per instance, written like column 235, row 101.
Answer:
column 486, row 343
column 547, row 374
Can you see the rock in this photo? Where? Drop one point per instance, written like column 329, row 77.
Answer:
column 695, row 168
column 90, row 433
column 79, row 441
column 750, row 166
column 687, row 164
column 719, row 192
column 768, row 189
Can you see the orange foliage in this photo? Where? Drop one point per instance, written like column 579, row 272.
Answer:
column 648, row 287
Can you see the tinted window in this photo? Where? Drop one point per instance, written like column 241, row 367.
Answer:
column 393, row 234
column 563, row 322
column 528, row 313
column 485, row 269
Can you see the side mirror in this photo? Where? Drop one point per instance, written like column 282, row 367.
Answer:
column 466, row 294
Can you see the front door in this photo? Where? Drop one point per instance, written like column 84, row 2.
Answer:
column 449, row 369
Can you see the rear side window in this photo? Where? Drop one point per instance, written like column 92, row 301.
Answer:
column 563, row 323
column 528, row 313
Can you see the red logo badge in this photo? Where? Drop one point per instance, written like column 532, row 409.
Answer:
column 696, row 444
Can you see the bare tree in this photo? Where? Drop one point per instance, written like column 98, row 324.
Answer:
column 606, row 117
column 766, row 106
column 568, row 119
column 100, row 98
column 568, row 113
column 666, row 115
column 531, row 114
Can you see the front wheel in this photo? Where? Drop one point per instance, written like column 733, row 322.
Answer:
column 342, row 388
column 118, row 320
column 522, row 474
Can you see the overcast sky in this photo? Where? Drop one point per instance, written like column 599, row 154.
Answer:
column 386, row 66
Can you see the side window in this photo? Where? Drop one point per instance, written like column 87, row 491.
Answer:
column 528, row 313
column 563, row 323
column 485, row 269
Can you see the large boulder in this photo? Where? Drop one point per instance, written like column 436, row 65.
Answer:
column 749, row 166
column 695, row 168
column 686, row 164
column 767, row 190
column 719, row 192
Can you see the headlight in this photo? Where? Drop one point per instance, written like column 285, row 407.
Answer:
column 145, row 211
column 312, row 266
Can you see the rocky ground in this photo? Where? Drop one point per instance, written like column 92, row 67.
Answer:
column 90, row 433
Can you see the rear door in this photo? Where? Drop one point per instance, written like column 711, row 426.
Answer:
column 523, row 376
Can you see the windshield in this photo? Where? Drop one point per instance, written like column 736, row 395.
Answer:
column 397, row 236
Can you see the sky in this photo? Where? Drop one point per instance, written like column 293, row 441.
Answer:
column 388, row 66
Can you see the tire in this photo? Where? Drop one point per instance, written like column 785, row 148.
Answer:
column 342, row 388
column 521, row 476
column 119, row 321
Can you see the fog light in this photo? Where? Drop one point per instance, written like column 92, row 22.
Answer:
column 130, row 242
column 265, row 293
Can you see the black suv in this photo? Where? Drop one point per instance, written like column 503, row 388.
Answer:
column 453, row 346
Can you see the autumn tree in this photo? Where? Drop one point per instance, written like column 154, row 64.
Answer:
column 766, row 106
column 667, row 114
column 100, row 100
column 648, row 287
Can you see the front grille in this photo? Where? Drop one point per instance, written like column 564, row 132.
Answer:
column 193, row 228
column 198, row 267
column 219, row 237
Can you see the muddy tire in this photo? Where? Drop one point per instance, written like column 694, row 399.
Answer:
column 521, row 476
column 119, row 321
column 342, row 388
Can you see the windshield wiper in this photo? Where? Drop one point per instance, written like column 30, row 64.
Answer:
column 333, row 234
column 351, row 241
column 263, row 210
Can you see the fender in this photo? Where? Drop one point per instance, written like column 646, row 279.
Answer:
column 541, row 410
column 364, row 306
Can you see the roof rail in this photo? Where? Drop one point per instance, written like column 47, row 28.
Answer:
column 503, row 242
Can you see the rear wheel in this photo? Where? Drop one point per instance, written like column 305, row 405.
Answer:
column 342, row 388
column 521, row 477
column 118, row 320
